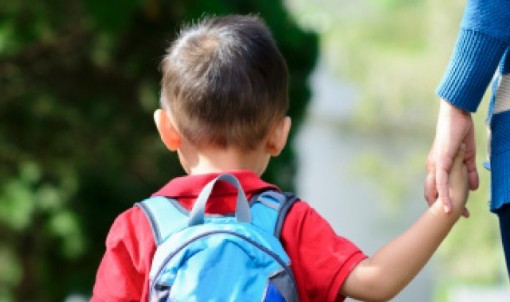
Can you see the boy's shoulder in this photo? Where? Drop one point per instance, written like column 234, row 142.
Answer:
column 132, row 225
column 129, row 227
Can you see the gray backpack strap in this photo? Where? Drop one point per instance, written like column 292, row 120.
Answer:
column 280, row 202
column 166, row 216
column 242, row 213
column 290, row 199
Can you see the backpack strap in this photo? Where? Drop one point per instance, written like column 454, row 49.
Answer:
column 270, row 208
column 166, row 216
column 290, row 199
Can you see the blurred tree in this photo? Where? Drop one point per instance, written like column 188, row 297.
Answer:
column 79, row 84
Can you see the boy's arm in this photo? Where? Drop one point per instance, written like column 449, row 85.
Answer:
column 381, row 277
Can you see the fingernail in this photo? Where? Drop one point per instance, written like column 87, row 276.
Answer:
column 446, row 208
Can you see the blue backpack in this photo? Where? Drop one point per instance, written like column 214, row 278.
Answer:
column 220, row 258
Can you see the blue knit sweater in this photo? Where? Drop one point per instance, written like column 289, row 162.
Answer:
column 483, row 43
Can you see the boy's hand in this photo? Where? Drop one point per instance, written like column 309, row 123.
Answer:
column 458, row 184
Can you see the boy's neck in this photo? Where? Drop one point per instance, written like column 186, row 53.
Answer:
column 216, row 160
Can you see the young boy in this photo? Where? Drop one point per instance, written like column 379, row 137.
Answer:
column 224, row 102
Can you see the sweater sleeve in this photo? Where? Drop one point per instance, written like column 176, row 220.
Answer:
column 482, row 40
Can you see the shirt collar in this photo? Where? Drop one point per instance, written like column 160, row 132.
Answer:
column 189, row 186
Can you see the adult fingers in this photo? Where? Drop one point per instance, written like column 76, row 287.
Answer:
column 470, row 160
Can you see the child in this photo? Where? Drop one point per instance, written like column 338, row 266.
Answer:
column 224, row 102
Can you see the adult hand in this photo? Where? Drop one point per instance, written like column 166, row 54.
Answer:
column 454, row 129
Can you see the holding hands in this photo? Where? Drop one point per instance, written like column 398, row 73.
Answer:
column 454, row 131
column 458, row 187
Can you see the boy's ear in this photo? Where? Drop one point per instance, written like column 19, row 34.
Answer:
column 167, row 131
column 278, row 136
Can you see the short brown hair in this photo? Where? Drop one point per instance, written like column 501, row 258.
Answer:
column 225, row 82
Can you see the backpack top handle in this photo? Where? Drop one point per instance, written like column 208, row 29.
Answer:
column 242, row 213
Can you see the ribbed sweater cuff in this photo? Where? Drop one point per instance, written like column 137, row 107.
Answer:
column 471, row 68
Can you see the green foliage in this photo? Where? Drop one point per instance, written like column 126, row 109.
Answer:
column 79, row 84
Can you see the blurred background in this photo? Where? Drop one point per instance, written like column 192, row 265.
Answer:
column 79, row 82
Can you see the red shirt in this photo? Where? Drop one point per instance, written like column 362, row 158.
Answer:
column 320, row 259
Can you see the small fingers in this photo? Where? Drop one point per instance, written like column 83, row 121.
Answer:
column 473, row 180
column 443, row 190
column 430, row 191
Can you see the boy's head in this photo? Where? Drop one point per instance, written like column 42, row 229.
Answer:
column 225, row 82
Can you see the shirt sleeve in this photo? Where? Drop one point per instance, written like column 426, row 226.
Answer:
column 480, row 45
column 123, row 274
column 320, row 259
